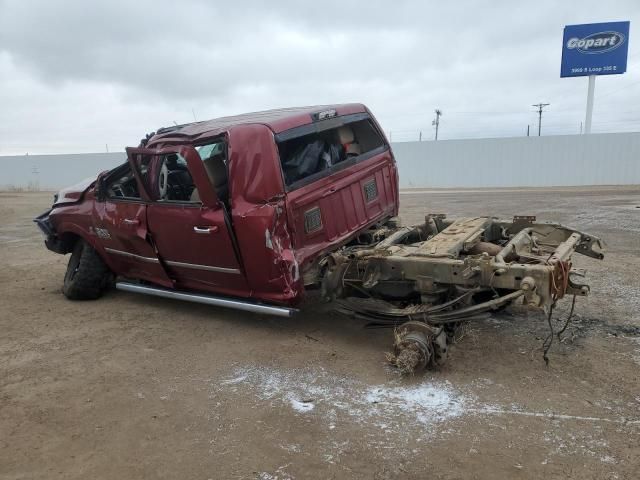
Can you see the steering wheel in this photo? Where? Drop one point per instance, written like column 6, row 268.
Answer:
column 163, row 180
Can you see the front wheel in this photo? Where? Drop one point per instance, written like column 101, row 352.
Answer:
column 86, row 274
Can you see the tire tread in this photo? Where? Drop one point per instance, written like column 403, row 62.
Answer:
column 90, row 278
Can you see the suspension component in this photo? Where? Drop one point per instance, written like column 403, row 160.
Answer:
column 418, row 345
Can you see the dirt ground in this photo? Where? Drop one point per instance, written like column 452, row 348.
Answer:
column 135, row 387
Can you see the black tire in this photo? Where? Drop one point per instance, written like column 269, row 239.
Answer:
column 86, row 274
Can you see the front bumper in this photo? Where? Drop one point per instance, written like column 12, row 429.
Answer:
column 51, row 239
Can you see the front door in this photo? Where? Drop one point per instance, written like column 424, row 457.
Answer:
column 189, row 224
column 121, row 224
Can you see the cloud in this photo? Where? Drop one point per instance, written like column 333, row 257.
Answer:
column 77, row 75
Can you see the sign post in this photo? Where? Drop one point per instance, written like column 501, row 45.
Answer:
column 594, row 49
column 590, row 90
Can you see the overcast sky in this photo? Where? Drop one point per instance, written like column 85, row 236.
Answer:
column 76, row 76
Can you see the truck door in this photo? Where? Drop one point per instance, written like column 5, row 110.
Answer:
column 188, row 221
column 122, row 227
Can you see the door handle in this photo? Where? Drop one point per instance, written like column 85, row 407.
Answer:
column 131, row 221
column 205, row 230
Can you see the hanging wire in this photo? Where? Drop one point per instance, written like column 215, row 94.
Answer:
column 566, row 323
column 546, row 345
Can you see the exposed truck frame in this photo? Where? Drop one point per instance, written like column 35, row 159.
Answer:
column 427, row 279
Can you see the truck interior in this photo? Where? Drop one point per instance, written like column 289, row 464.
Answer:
column 174, row 180
column 121, row 183
column 175, row 183
column 168, row 178
column 214, row 158
column 311, row 155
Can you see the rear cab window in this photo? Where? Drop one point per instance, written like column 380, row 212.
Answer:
column 313, row 151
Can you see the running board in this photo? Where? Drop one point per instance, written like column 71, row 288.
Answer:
column 207, row 300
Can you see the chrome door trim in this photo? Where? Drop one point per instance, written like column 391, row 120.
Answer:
column 132, row 255
column 171, row 263
column 208, row 268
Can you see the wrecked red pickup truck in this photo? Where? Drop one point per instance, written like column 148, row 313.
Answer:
column 252, row 211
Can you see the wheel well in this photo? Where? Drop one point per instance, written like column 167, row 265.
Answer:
column 67, row 242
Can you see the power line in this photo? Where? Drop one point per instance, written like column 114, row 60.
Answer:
column 616, row 91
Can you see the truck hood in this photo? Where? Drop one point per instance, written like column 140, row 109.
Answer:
column 75, row 192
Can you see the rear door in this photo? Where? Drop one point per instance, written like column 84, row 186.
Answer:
column 190, row 228
column 338, row 200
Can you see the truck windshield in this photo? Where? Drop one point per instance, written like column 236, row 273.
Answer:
column 311, row 155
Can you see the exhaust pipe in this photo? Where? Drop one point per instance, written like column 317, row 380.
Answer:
column 208, row 300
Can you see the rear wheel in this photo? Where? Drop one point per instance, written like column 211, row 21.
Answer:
column 86, row 273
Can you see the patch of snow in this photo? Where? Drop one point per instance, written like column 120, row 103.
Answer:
column 299, row 406
column 392, row 407
column 234, row 381
column 428, row 402
column 279, row 474
column 398, row 412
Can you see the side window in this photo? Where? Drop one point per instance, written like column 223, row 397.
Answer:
column 121, row 183
column 166, row 178
column 317, row 154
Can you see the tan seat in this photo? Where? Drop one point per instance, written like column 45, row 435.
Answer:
column 217, row 172
column 347, row 138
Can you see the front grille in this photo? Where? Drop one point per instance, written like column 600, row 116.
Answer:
column 312, row 220
column 370, row 190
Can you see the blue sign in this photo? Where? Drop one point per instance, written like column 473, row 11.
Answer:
column 595, row 49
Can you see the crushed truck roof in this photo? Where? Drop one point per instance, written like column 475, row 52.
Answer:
column 277, row 120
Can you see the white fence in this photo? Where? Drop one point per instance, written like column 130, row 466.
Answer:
column 564, row 160
column 598, row 159
column 52, row 172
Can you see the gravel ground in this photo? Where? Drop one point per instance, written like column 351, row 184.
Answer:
column 134, row 387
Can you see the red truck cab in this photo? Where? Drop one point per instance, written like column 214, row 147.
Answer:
column 240, row 206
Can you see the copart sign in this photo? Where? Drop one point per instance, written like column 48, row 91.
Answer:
column 595, row 49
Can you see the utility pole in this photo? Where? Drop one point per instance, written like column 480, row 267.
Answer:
column 540, row 107
column 528, row 130
column 436, row 122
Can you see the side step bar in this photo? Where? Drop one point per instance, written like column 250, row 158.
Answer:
column 207, row 300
